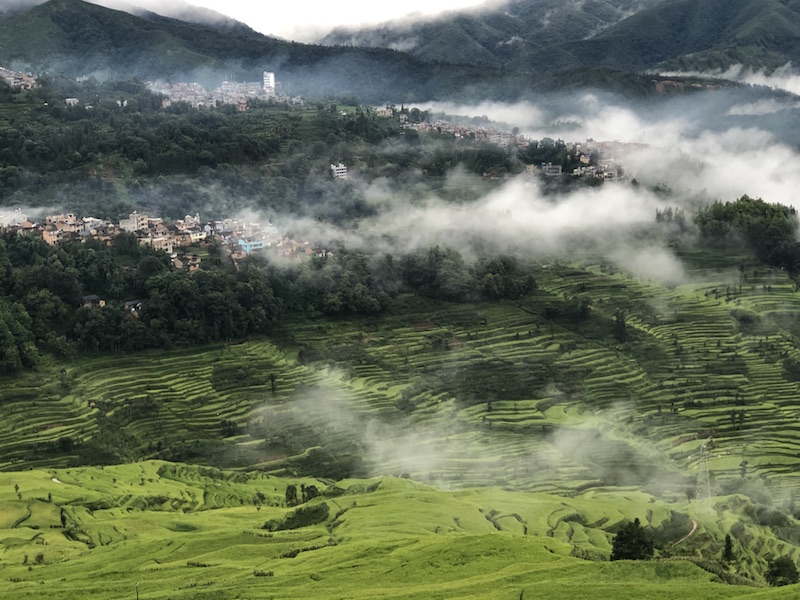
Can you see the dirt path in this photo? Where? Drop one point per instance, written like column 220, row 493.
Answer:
column 688, row 535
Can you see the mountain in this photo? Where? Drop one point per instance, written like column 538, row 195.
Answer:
column 509, row 36
column 78, row 38
column 177, row 9
column 700, row 35
column 536, row 36
column 74, row 38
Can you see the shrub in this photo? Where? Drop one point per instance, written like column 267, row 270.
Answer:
column 781, row 571
column 302, row 517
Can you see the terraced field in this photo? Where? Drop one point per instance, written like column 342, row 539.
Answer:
column 587, row 402
column 167, row 530
column 537, row 394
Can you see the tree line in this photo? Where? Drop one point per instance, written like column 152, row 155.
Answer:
column 770, row 230
column 43, row 290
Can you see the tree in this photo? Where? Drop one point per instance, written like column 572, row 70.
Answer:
column 620, row 326
column 781, row 571
column 632, row 543
column 291, row 495
column 727, row 553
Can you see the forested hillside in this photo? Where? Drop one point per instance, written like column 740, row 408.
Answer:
column 79, row 38
column 517, row 36
column 553, row 37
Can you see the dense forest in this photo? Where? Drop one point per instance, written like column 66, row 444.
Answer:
column 42, row 306
column 127, row 152
column 769, row 229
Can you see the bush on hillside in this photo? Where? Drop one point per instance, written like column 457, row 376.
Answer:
column 782, row 571
column 302, row 517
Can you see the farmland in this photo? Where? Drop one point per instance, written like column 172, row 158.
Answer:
column 186, row 532
column 528, row 429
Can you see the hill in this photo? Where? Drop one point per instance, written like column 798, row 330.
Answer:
column 513, row 36
column 174, row 531
column 701, row 35
column 75, row 38
column 543, row 36
column 72, row 37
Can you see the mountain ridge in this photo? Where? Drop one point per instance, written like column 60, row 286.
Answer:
column 536, row 36
column 73, row 37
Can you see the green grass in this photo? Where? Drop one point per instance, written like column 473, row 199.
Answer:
column 526, row 430
column 384, row 538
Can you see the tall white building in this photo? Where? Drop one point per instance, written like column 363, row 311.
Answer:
column 269, row 83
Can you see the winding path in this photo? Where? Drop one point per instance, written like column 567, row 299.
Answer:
column 688, row 535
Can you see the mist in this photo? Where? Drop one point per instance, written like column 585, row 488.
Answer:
column 784, row 78
column 449, row 449
column 174, row 9
column 720, row 144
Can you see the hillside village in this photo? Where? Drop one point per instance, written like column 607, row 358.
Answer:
column 589, row 159
column 237, row 238
column 18, row 79
column 583, row 158
column 237, row 93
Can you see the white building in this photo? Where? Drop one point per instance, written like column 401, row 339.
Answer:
column 134, row 222
column 551, row 170
column 269, row 83
column 339, row 171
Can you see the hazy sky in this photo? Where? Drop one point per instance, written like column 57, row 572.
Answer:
column 302, row 20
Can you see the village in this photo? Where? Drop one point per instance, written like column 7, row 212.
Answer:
column 585, row 157
column 237, row 93
column 18, row 79
column 590, row 159
column 181, row 238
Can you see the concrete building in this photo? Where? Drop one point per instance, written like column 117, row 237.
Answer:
column 269, row 83
column 249, row 245
column 134, row 222
column 551, row 170
column 339, row 171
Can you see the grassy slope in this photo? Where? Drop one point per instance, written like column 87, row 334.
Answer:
column 573, row 413
column 382, row 539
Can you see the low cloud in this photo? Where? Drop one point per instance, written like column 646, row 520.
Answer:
column 784, row 78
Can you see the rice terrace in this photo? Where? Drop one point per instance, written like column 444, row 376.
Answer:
column 513, row 439
column 474, row 300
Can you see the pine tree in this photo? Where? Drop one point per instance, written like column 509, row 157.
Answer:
column 632, row 543
column 727, row 553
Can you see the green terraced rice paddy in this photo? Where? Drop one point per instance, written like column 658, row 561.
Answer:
column 471, row 399
column 99, row 532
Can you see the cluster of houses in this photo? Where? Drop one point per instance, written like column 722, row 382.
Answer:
column 18, row 79
column 587, row 153
column 597, row 161
column 229, row 92
column 237, row 238
column 470, row 133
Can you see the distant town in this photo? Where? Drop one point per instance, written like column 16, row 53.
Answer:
column 237, row 238
column 229, row 92
column 594, row 159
